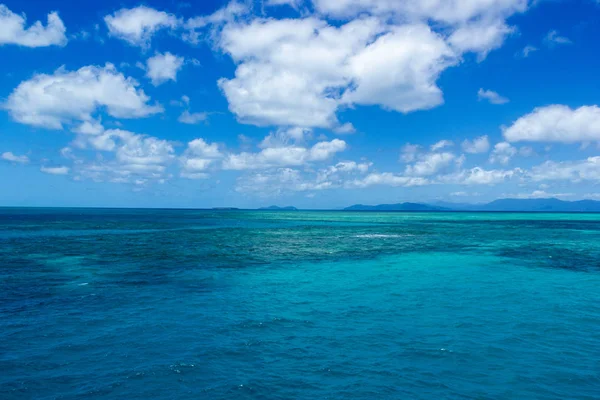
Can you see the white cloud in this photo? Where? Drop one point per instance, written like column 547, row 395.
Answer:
column 137, row 159
column 13, row 30
column 442, row 144
column 9, row 156
column 557, row 123
column 387, row 179
column 538, row 194
column 554, row 39
column 409, row 152
column 491, row 96
column 299, row 72
column 163, row 67
column 89, row 128
column 480, row 37
column 287, row 67
column 572, row 171
column 338, row 172
column 291, row 3
column 398, row 71
column 502, row 154
column 430, row 164
column 278, row 181
column 445, row 11
column 284, row 156
column 55, row 170
column 198, row 157
column 192, row 118
column 285, row 137
column 196, row 26
column 142, row 150
column 479, row 176
column 344, row 129
column 137, row 25
column 66, row 97
column 527, row 50
column 477, row 145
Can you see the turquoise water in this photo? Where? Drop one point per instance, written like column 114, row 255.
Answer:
column 176, row 304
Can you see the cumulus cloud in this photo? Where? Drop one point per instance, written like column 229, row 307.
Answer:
column 196, row 26
column 89, row 128
column 189, row 118
column 198, row 157
column 300, row 72
column 340, row 171
column 278, row 181
column 477, row 145
column 136, row 158
column 163, row 67
column 491, row 96
column 430, row 164
column 479, row 176
column 572, row 171
column 9, row 156
column 387, row 179
column 284, row 156
column 137, row 25
column 502, row 154
column 480, row 37
column 55, row 170
column 284, row 137
column 451, row 12
column 13, row 30
column 66, row 97
column 399, row 70
column 557, row 123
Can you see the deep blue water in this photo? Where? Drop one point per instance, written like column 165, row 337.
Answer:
column 179, row 304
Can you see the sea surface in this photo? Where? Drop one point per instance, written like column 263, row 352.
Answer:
column 185, row 304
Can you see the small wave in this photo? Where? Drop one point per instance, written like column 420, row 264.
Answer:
column 83, row 284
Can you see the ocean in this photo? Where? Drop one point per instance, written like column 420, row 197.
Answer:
column 190, row 304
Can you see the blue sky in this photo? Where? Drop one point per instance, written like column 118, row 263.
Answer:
column 313, row 103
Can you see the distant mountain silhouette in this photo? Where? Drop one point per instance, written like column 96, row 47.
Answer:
column 541, row 205
column 516, row 205
column 276, row 208
column 396, row 207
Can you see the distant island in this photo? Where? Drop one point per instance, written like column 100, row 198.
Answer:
column 276, row 208
column 506, row 205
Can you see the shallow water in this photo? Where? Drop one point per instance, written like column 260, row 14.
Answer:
column 164, row 304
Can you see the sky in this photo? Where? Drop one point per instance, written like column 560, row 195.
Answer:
column 311, row 103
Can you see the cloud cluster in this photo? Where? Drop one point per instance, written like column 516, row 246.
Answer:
column 292, row 155
column 163, row 67
column 13, row 158
column 66, row 97
column 137, row 25
column 557, row 123
column 13, row 30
